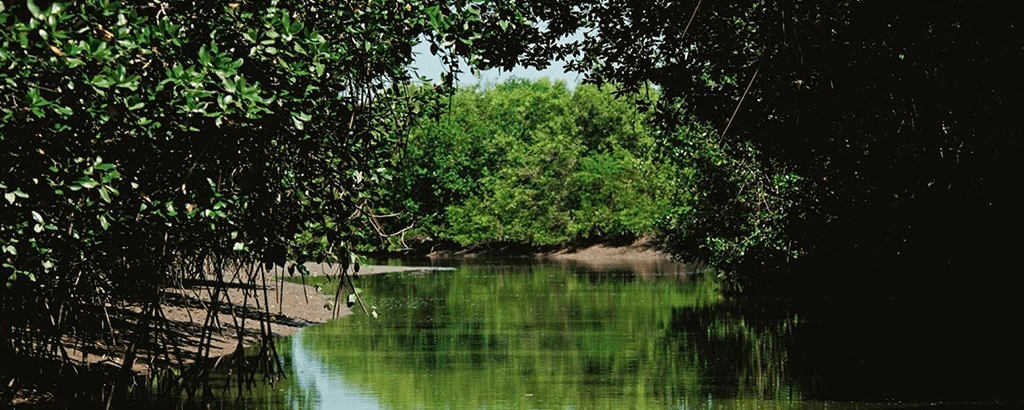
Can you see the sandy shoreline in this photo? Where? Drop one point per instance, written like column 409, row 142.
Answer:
column 292, row 306
column 183, row 314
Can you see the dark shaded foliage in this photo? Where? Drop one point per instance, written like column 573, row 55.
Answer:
column 840, row 137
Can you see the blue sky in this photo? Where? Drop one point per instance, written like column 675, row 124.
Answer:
column 430, row 66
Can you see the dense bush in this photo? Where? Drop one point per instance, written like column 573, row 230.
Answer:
column 534, row 162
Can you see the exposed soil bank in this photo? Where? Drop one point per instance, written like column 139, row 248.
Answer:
column 626, row 247
column 292, row 306
column 641, row 255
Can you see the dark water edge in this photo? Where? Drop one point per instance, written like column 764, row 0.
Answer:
column 897, row 351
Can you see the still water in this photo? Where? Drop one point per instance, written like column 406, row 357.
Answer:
column 527, row 335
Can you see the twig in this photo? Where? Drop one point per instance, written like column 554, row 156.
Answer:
column 752, row 78
column 692, row 16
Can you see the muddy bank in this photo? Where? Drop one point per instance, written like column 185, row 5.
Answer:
column 644, row 255
column 292, row 306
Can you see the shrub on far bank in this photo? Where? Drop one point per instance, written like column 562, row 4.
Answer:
column 533, row 162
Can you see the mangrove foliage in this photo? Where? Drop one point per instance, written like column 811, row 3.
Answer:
column 533, row 162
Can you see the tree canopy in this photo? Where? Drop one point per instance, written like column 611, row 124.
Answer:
column 881, row 135
column 531, row 162
column 145, row 144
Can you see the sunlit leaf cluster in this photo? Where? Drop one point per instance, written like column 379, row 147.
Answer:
column 141, row 140
column 535, row 162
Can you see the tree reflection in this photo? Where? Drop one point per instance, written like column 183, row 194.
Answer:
column 550, row 337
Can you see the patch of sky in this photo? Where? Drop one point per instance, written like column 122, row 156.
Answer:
column 430, row 66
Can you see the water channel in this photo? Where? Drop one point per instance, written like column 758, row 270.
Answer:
column 530, row 335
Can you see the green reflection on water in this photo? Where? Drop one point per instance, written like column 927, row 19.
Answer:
column 540, row 336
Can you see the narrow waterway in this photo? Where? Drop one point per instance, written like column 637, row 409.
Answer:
column 528, row 335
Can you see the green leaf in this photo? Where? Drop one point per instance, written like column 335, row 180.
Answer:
column 229, row 84
column 103, row 222
column 102, row 81
column 204, row 55
column 239, row 246
column 104, row 194
column 434, row 14
column 9, row 197
column 110, row 176
column 34, row 9
column 37, row 217
column 87, row 182
column 63, row 110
